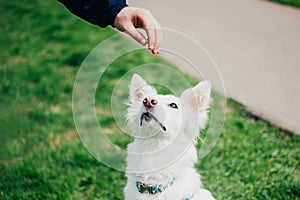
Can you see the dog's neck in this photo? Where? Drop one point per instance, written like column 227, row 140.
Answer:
column 160, row 177
column 153, row 143
column 146, row 163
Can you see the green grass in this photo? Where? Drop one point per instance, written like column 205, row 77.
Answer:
column 41, row 156
column 295, row 3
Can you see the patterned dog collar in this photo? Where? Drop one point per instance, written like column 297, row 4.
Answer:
column 153, row 189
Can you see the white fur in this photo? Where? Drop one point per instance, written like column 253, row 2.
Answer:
column 156, row 156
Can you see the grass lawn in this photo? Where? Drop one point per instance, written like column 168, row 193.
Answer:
column 41, row 155
column 289, row 2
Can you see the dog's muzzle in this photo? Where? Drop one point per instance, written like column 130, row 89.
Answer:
column 147, row 116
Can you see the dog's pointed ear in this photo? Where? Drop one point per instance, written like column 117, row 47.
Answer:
column 198, row 97
column 139, row 89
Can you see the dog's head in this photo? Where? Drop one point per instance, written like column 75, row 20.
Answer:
column 165, row 116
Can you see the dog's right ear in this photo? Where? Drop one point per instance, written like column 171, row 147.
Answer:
column 139, row 89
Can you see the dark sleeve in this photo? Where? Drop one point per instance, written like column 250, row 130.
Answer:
column 98, row 12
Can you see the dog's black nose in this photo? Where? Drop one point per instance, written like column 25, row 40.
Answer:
column 149, row 102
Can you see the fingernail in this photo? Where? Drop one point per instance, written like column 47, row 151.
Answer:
column 151, row 47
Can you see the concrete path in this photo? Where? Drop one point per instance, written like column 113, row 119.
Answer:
column 256, row 45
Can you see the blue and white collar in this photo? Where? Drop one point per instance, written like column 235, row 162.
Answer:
column 153, row 189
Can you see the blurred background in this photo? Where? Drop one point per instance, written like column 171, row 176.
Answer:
column 43, row 46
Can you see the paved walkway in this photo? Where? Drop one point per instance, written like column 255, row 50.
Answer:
column 256, row 45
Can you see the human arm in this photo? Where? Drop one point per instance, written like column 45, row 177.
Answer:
column 117, row 14
column 98, row 12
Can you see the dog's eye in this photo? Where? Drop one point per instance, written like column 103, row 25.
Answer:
column 173, row 105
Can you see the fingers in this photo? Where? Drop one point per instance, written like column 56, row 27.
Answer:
column 154, row 39
column 135, row 34
column 131, row 18
column 153, row 31
column 158, row 41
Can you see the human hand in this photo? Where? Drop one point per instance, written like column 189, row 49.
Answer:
column 130, row 18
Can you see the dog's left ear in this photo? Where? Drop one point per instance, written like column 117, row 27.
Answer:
column 139, row 89
column 198, row 97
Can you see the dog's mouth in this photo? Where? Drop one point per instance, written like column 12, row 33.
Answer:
column 147, row 116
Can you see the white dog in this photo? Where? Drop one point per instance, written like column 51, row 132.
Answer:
column 160, row 160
